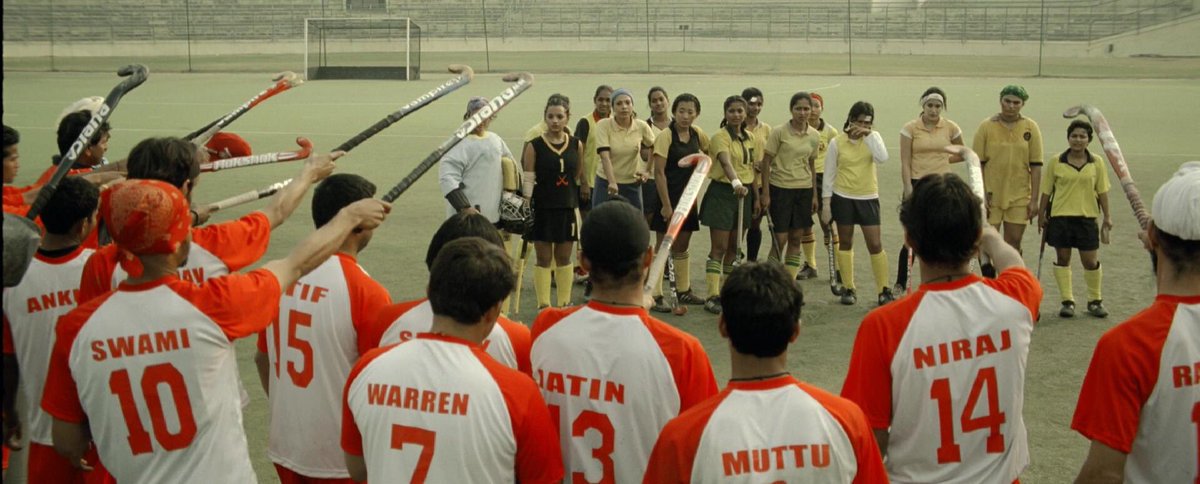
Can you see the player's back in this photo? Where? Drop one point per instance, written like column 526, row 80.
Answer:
column 160, row 388
column 508, row 342
column 1141, row 392
column 31, row 309
column 437, row 409
column 957, row 378
column 774, row 430
column 613, row 376
column 311, row 348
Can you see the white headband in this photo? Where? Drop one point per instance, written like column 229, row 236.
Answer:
column 931, row 96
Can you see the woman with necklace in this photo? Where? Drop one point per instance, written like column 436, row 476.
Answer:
column 552, row 169
column 623, row 142
column 734, row 149
column 789, row 159
column 659, row 121
column 851, row 197
column 680, row 139
column 1078, row 184
column 922, row 152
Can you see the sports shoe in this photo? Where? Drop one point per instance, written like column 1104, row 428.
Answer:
column 713, row 304
column 580, row 276
column 660, row 306
column 1095, row 308
column 899, row 289
column 886, row 296
column 808, row 272
column 848, row 297
column 690, row 297
column 1068, row 310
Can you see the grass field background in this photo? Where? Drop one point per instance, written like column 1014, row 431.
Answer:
column 1150, row 118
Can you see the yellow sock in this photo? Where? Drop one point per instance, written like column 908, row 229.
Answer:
column 541, row 285
column 845, row 259
column 1092, row 278
column 792, row 264
column 683, row 272
column 565, row 276
column 809, row 246
column 712, row 276
column 1062, row 275
column 879, row 265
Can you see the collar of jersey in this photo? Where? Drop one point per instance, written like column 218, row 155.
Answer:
column 146, row 286
column 768, row 384
column 608, row 308
column 1171, row 298
column 951, row 285
column 60, row 259
column 446, row 339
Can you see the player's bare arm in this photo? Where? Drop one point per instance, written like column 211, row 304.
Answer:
column 71, row 441
column 322, row 244
column 357, row 465
column 1003, row 256
column 316, row 168
column 1103, row 465
column 12, row 421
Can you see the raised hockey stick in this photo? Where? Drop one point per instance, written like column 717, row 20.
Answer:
column 260, row 159
column 247, row 197
column 522, row 79
column 1112, row 151
column 283, row 81
column 975, row 180
column 690, row 192
column 21, row 237
column 520, row 276
column 464, row 77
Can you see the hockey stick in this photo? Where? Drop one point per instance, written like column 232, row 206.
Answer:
column 975, row 180
column 909, row 261
column 1112, row 151
column 737, row 235
column 690, row 192
column 260, row 159
column 464, row 77
column 247, row 197
column 835, row 277
column 1042, row 246
column 21, row 237
column 283, row 81
column 520, row 276
column 774, row 242
column 523, row 81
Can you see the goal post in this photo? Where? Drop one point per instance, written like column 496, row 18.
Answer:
column 362, row 48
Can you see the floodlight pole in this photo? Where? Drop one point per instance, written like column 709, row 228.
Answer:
column 1042, row 40
column 647, row 36
column 487, row 51
column 850, row 40
column 187, row 20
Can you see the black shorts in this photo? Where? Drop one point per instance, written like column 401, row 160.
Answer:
column 847, row 211
column 554, row 225
column 1073, row 233
column 791, row 208
column 650, row 202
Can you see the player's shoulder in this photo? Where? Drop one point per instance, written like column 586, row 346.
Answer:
column 1019, row 284
column 842, row 408
column 212, row 234
column 1148, row 329
column 392, row 312
column 664, row 332
column 1029, row 122
column 550, row 317
column 514, row 329
column 73, row 321
column 951, row 124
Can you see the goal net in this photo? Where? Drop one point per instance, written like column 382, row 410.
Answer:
column 362, row 48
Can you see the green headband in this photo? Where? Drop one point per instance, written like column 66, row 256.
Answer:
column 1014, row 90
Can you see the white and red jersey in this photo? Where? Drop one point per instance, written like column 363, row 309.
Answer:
column 508, row 342
column 1141, row 395
column 944, row 369
column 776, row 430
column 31, row 309
column 311, row 348
column 613, row 376
column 438, row 409
column 216, row 250
column 159, row 387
